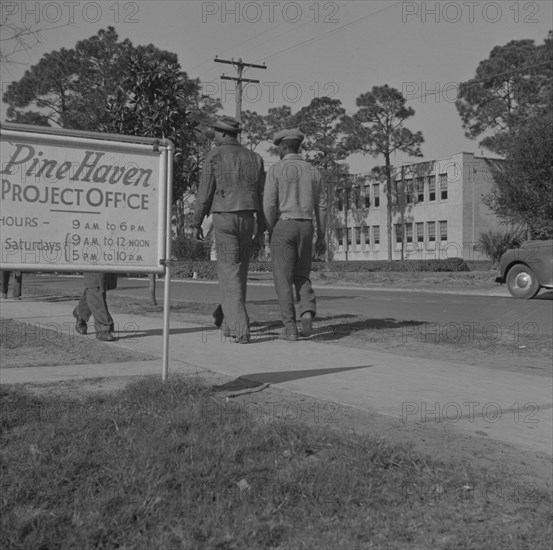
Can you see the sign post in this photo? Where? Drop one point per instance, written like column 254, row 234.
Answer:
column 84, row 201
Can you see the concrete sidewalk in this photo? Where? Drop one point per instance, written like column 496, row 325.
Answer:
column 510, row 407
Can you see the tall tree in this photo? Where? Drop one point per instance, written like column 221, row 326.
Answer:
column 71, row 88
column 108, row 85
column 254, row 129
column 321, row 121
column 514, row 83
column 276, row 119
column 523, row 190
column 377, row 129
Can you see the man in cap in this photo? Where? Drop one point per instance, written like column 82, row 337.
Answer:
column 294, row 197
column 231, row 188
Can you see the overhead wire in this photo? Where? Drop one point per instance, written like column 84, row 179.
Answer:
column 324, row 35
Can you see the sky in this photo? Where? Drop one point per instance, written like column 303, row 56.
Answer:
column 311, row 48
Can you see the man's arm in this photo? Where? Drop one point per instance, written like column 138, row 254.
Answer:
column 270, row 199
column 320, row 217
column 204, row 199
column 261, row 223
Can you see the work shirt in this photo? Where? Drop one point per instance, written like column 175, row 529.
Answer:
column 294, row 189
column 232, row 180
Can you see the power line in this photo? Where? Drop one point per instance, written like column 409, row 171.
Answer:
column 262, row 43
column 476, row 81
column 324, row 35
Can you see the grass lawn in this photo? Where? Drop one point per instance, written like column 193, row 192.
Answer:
column 172, row 465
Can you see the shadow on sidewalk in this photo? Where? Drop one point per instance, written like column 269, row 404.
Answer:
column 333, row 327
column 255, row 380
column 322, row 330
column 130, row 334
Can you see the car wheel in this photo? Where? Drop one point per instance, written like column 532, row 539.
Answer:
column 522, row 282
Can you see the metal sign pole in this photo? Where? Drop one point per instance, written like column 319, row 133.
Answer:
column 167, row 285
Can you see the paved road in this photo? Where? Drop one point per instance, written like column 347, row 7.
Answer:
column 492, row 313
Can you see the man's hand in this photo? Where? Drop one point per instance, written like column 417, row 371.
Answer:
column 199, row 234
column 320, row 246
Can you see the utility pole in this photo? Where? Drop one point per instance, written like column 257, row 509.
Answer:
column 239, row 66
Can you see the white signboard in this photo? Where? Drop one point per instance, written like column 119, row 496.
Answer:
column 83, row 201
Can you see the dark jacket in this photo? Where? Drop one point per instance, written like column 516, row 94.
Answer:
column 232, row 179
column 103, row 281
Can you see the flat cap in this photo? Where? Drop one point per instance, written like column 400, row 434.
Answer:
column 227, row 124
column 291, row 134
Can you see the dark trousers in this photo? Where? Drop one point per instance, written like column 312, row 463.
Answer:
column 233, row 242
column 93, row 303
column 291, row 250
column 18, row 281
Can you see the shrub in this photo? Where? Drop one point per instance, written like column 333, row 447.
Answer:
column 208, row 269
column 188, row 249
column 495, row 243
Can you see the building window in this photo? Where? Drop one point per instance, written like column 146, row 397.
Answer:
column 420, row 232
column 431, row 188
column 340, row 236
column 443, row 186
column 367, row 193
column 420, row 189
column 376, row 234
column 355, row 197
column 376, row 195
column 443, row 230
column 399, row 232
column 367, row 235
column 397, row 199
column 409, row 232
column 349, row 236
column 340, row 199
column 409, row 191
column 357, row 236
column 431, row 231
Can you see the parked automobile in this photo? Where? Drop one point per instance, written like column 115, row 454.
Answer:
column 527, row 269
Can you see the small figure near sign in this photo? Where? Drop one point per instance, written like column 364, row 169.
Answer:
column 93, row 303
column 18, row 278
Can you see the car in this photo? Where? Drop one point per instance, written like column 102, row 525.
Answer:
column 527, row 269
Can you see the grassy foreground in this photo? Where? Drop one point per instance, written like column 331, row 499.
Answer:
column 172, row 465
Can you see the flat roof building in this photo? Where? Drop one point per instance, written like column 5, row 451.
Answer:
column 437, row 211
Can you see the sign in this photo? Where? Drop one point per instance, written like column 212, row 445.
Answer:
column 83, row 201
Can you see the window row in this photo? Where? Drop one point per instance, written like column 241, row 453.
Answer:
column 406, row 232
column 411, row 192
column 371, row 235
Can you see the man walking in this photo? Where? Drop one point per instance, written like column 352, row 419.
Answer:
column 93, row 303
column 17, row 283
column 294, row 197
column 231, row 187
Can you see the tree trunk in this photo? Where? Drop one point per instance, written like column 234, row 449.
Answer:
column 389, row 205
column 153, row 301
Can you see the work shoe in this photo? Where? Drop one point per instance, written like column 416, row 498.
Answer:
column 289, row 335
column 244, row 339
column 105, row 337
column 81, row 326
column 306, row 324
column 218, row 316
